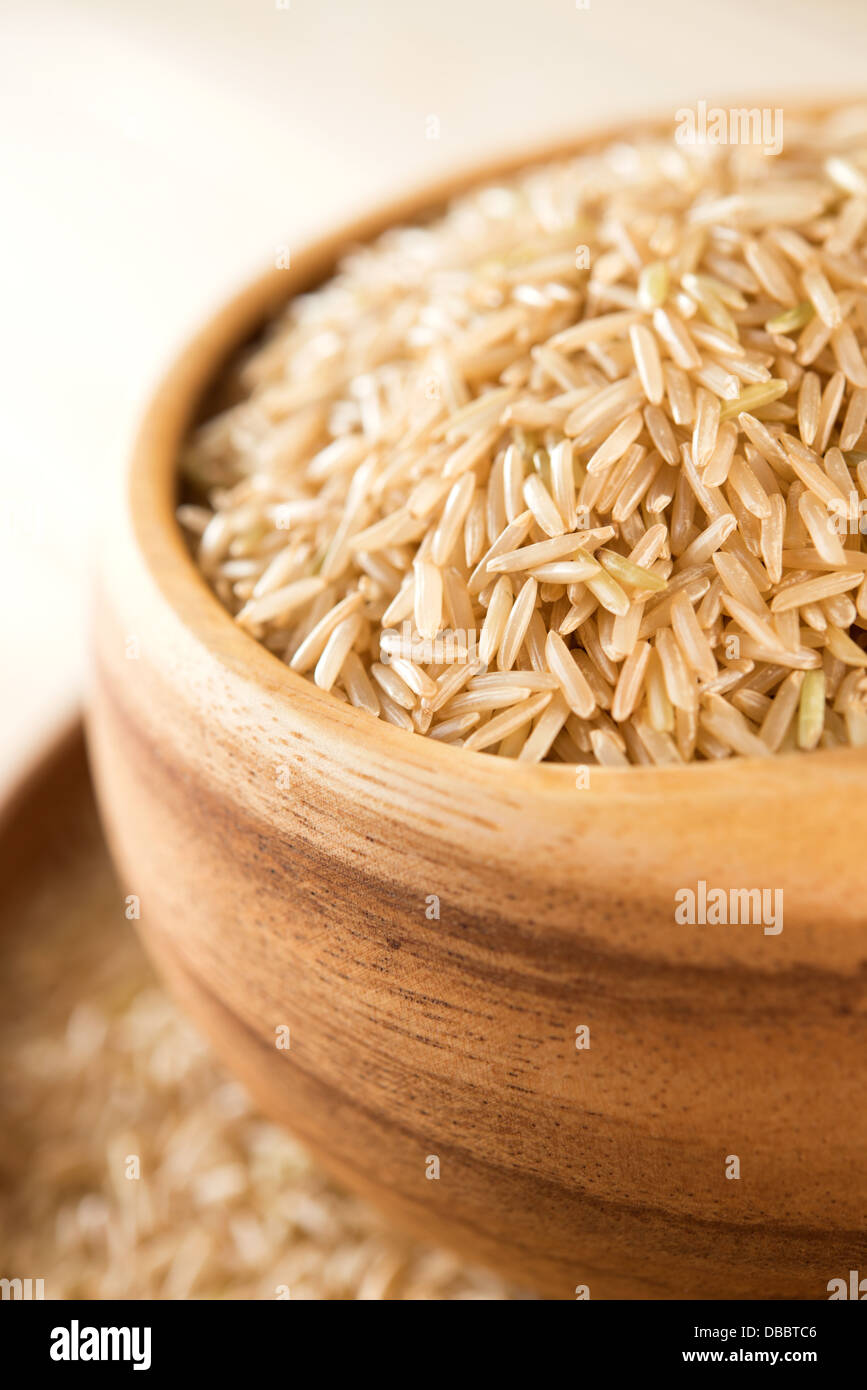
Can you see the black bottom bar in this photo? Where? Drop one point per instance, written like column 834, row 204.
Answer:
column 227, row 1339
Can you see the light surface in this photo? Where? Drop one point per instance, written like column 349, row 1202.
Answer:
column 154, row 156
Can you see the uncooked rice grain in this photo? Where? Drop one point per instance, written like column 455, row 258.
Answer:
column 642, row 478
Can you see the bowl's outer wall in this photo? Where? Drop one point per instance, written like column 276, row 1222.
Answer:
column 289, row 856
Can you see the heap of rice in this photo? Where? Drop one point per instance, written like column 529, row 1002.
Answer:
column 576, row 471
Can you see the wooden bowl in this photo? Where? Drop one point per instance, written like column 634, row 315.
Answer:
column 433, row 926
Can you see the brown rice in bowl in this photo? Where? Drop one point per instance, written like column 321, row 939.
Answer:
column 577, row 470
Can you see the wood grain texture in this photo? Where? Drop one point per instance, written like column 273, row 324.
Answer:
column 284, row 847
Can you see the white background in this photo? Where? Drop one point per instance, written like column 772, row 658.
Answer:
column 156, row 152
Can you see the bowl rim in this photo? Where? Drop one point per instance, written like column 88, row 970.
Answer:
column 150, row 500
